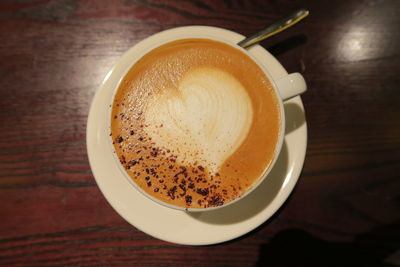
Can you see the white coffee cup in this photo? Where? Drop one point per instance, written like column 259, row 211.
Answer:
column 287, row 87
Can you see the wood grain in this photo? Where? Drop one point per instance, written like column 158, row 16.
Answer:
column 346, row 206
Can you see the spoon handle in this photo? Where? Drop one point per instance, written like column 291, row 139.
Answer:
column 275, row 28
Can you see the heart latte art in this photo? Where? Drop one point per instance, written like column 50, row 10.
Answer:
column 195, row 123
column 210, row 114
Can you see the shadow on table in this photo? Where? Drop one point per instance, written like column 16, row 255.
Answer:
column 287, row 44
column 263, row 196
column 296, row 247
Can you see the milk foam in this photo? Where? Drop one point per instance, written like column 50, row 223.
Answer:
column 205, row 120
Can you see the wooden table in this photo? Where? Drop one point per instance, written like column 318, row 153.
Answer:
column 345, row 209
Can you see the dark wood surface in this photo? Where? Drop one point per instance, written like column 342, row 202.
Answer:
column 345, row 210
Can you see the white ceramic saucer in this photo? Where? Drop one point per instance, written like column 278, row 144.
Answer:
column 194, row 228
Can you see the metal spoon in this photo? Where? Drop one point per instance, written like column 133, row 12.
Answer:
column 275, row 28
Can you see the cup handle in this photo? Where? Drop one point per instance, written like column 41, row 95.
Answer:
column 291, row 85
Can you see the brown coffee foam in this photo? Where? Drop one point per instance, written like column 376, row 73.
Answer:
column 161, row 175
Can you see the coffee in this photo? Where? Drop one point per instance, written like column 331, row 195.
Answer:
column 195, row 123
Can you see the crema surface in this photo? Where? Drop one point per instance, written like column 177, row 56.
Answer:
column 195, row 123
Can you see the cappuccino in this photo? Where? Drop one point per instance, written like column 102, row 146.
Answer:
column 195, row 123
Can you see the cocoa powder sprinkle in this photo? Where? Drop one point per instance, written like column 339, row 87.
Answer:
column 216, row 200
column 133, row 162
column 171, row 192
column 188, row 200
column 202, row 191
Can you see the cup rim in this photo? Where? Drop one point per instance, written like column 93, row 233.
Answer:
column 137, row 57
